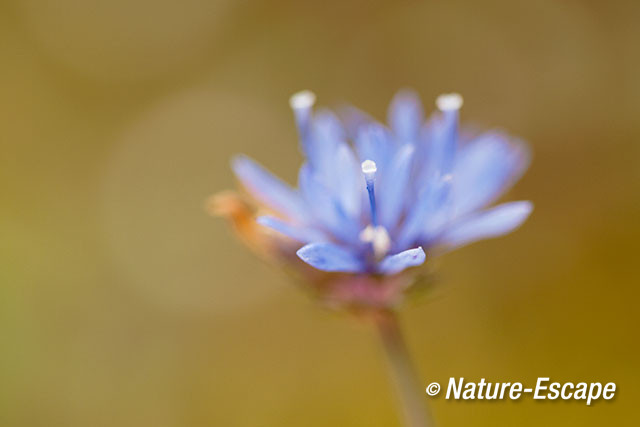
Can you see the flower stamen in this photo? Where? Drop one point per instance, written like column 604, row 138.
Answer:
column 369, row 170
column 449, row 102
column 379, row 239
column 302, row 100
column 447, row 130
column 301, row 103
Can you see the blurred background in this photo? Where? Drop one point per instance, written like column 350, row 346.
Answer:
column 122, row 303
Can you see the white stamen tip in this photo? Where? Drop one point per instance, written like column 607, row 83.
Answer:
column 369, row 168
column 302, row 99
column 379, row 239
column 449, row 102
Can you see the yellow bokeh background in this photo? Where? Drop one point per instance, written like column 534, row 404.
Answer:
column 122, row 303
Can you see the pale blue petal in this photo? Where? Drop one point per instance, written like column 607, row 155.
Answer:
column 330, row 257
column 335, row 166
column 318, row 197
column 393, row 187
column 393, row 264
column 348, row 184
column 424, row 214
column 406, row 116
column 325, row 135
column 441, row 134
column 268, row 189
column 328, row 126
column 354, row 120
column 374, row 142
column 324, row 208
column 298, row 233
column 484, row 169
column 493, row 222
column 302, row 105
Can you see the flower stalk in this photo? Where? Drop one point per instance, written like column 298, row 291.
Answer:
column 402, row 372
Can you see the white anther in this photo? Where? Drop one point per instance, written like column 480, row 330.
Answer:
column 379, row 239
column 302, row 100
column 447, row 177
column 449, row 102
column 369, row 169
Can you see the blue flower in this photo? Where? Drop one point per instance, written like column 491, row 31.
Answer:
column 372, row 199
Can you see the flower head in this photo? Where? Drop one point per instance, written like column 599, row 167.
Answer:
column 373, row 199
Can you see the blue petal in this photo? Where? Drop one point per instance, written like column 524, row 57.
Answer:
column 406, row 116
column 326, row 135
column 442, row 142
column 300, row 234
column 334, row 163
column 302, row 105
column 269, row 189
column 328, row 126
column 392, row 190
column 354, row 120
column 393, row 264
column 330, row 257
column 493, row 222
column 374, row 142
column 325, row 209
column 348, row 183
column 318, row 197
column 321, row 140
column 425, row 214
column 484, row 169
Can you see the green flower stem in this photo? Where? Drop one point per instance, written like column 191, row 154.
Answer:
column 410, row 394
